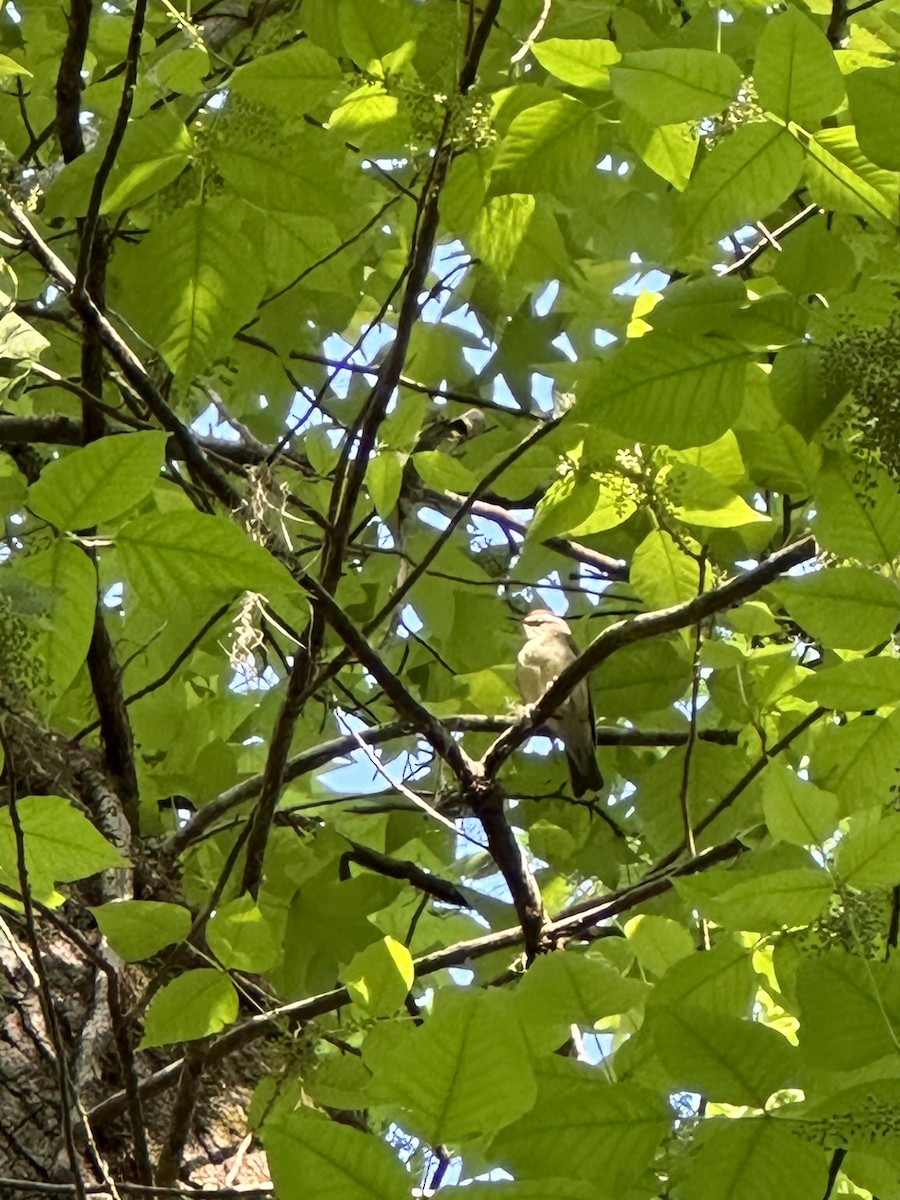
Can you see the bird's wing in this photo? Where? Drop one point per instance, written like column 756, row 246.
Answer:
column 587, row 687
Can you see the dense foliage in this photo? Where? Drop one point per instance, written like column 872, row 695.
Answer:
column 336, row 334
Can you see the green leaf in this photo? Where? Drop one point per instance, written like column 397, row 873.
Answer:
column 669, row 86
column 311, row 1155
column 585, row 1128
column 669, row 150
column 869, row 856
column 101, row 481
column 840, row 177
column 873, row 92
column 582, row 62
column 379, row 977
column 478, row 1078
column 443, row 472
column 815, row 260
column 848, row 608
column 858, row 761
column 138, row 929
column 61, row 844
column 640, row 678
column 720, row 980
column 194, row 1005
column 9, row 68
column 726, row 1059
column 62, row 642
column 20, row 343
column 292, row 80
column 192, row 281
column 564, row 989
column 662, row 573
column 857, row 518
column 547, row 148
column 746, row 177
column 668, row 390
column 544, row 1189
column 384, row 478
column 795, row 810
column 241, row 937
column 796, row 73
column 759, row 901
column 850, row 1008
column 658, row 942
column 854, row 686
column 755, row 1158
column 697, row 498
column 188, row 558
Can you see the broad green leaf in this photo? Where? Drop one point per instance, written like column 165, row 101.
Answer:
column 10, row 68
column 857, row 514
column 668, row 86
column 193, row 1005
column 668, row 390
column 478, row 1078
column 443, row 472
column 814, row 260
column 187, row 558
column 854, row 686
column 755, row 1158
column 564, row 989
column 582, row 503
column 20, row 343
column 155, row 150
column 840, row 177
column 101, row 481
column 640, row 678
column 356, row 30
column 722, row 1057
column 292, row 80
column 138, row 929
column 370, row 118
column 720, row 980
column 191, row 283
column 61, row 844
column 850, row 1009
column 543, row 1189
column 874, row 92
column 384, row 478
column 547, row 148
column 848, row 608
column 658, row 942
column 241, row 937
column 747, row 175
column 662, row 573
column 796, row 810
column 669, row 150
column 311, row 1155
column 379, row 977
column 586, row 1128
column 582, row 62
column 869, row 857
column 698, row 498
column 759, row 901
column 64, row 638
column 796, row 73
column 858, row 761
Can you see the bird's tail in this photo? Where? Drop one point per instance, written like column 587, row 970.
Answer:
column 584, row 772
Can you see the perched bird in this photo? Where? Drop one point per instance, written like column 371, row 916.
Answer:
column 547, row 651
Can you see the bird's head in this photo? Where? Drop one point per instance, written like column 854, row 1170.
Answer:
column 541, row 622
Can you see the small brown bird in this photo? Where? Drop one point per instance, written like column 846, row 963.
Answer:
column 547, row 651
